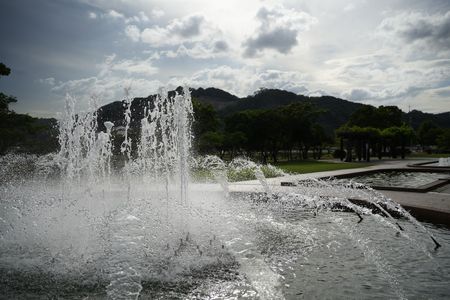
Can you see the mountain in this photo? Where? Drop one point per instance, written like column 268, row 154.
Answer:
column 335, row 111
column 263, row 99
column 218, row 98
column 416, row 117
column 115, row 111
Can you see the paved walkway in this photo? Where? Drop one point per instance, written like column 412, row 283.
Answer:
column 433, row 206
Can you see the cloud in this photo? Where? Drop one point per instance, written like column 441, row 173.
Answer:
column 386, row 77
column 142, row 17
column 358, row 94
column 280, row 39
column 190, row 36
column 349, row 7
column 128, row 67
column 133, row 32
column 220, row 46
column 425, row 35
column 190, row 28
column 115, row 15
column 157, row 13
column 242, row 81
column 109, row 81
column 200, row 50
column 186, row 27
column 134, row 67
column 49, row 81
column 278, row 30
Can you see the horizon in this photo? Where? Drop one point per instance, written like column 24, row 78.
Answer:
column 377, row 53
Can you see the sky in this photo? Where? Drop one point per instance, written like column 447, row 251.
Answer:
column 379, row 52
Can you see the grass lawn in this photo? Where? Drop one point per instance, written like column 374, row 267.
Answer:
column 311, row 166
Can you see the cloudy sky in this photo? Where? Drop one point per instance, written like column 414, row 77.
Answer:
column 382, row 52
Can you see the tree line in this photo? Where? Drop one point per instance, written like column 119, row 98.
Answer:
column 263, row 134
column 292, row 131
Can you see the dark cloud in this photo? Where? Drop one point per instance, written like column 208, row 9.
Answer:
column 358, row 94
column 187, row 27
column 278, row 30
column 434, row 30
column 280, row 39
column 220, row 46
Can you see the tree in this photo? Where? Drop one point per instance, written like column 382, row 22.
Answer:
column 298, row 120
column 319, row 138
column 233, row 142
column 381, row 117
column 5, row 100
column 205, row 126
column 4, row 70
column 210, row 141
column 363, row 139
column 205, row 118
column 443, row 140
column 389, row 116
column 428, row 133
column 397, row 136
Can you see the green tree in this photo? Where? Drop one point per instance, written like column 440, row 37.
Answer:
column 210, row 142
column 5, row 100
column 397, row 136
column 428, row 133
column 298, row 120
column 233, row 142
column 443, row 140
column 205, row 118
column 363, row 139
column 381, row 117
column 205, row 128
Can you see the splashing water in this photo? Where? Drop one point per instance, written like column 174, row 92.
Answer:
column 72, row 227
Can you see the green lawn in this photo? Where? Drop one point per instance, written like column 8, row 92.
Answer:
column 311, row 166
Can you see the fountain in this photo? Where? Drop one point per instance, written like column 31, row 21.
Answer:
column 74, row 227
